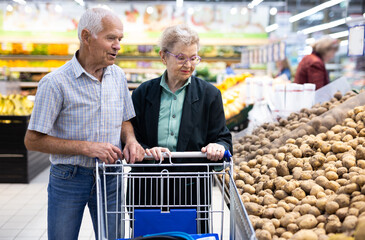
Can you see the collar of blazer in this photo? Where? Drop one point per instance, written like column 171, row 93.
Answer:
column 189, row 114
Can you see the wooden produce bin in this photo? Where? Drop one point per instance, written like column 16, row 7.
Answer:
column 17, row 164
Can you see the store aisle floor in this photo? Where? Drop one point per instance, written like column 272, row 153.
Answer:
column 23, row 211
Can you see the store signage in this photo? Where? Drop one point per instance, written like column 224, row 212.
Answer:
column 356, row 40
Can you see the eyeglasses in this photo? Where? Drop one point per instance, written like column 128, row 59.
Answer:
column 182, row 59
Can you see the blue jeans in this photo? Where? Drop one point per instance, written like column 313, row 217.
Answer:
column 70, row 188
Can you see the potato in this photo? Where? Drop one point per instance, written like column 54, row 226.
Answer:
column 282, row 169
column 280, row 194
column 333, row 185
column 306, row 175
column 284, row 205
column 268, row 213
column 350, row 188
column 339, row 147
column 287, row 235
column 349, row 223
column 341, row 171
column 275, row 222
column 269, row 226
column 280, row 231
column 316, row 189
column 310, row 200
column 343, row 200
column 289, row 187
column 360, row 231
column 333, row 226
column 307, row 221
column 307, row 185
column 360, row 152
column 354, row 212
column 269, row 199
column 331, row 207
column 263, row 235
column 249, row 189
column 240, row 183
column 287, row 219
column 254, row 209
column 305, row 235
column 314, row 211
column 331, row 175
column 298, row 193
column 304, row 208
column 292, row 227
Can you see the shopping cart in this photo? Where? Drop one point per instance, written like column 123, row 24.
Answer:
column 159, row 198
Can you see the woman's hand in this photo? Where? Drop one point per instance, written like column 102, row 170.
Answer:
column 214, row 151
column 156, row 152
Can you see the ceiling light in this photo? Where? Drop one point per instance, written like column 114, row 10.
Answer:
column 323, row 26
column 179, row 3
column 80, row 2
column 271, row 28
column 273, row 11
column 233, row 11
column 190, row 11
column 58, row 8
column 9, row 8
column 312, row 11
column 22, row 2
column 340, row 34
column 244, row 11
column 254, row 3
column 149, row 10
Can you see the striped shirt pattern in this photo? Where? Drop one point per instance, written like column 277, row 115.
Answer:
column 72, row 104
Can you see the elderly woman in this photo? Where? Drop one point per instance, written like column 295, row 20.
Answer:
column 179, row 112
column 312, row 67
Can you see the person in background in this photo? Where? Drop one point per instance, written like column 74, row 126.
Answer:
column 283, row 68
column 229, row 70
column 82, row 112
column 312, row 67
column 179, row 112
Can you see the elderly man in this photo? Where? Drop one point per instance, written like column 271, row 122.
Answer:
column 82, row 112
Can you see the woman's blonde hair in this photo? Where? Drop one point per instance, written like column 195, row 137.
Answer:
column 178, row 33
column 324, row 45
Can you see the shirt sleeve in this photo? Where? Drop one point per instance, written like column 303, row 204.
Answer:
column 128, row 108
column 47, row 106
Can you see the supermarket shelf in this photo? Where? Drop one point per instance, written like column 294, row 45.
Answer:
column 131, row 86
column 143, row 70
column 119, row 58
column 31, row 69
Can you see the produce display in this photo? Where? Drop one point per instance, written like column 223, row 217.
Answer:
column 258, row 143
column 233, row 90
column 313, row 185
column 15, row 104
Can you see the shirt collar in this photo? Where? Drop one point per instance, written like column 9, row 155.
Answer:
column 79, row 70
column 164, row 85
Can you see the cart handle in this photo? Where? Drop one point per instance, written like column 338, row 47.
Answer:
column 227, row 155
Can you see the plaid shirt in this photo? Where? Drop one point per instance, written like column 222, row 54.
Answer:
column 72, row 104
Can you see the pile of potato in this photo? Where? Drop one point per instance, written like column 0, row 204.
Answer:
column 311, row 188
column 250, row 146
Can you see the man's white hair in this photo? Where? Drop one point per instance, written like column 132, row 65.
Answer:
column 92, row 20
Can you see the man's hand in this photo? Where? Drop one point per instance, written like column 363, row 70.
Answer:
column 133, row 152
column 214, row 151
column 106, row 152
column 156, row 152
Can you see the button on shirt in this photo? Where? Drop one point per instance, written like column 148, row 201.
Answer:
column 171, row 106
column 72, row 104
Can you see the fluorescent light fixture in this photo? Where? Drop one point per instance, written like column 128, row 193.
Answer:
column 179, row 3
column 190, row 11
column 271, row 28
column 244, row 11
column 22, row 2
column 273, row 11
column 254, row 3
column 312, row 11
column 309, row 40
column 80, row 2
column 233, row 11
column 323, row 26
column 149, row 10
column 344, row 43
column 340, row 34
column 9, row 8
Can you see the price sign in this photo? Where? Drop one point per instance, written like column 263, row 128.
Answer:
column 356, row 41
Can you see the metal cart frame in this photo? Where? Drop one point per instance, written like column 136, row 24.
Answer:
column 125, row 204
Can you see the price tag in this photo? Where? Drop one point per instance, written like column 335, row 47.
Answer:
column 356, row 41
